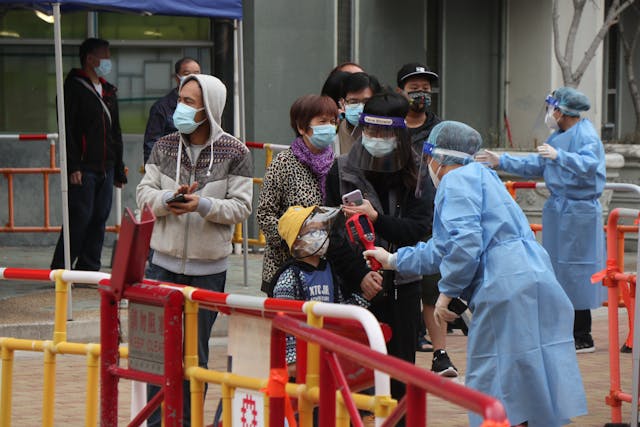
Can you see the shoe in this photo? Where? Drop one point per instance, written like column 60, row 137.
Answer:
column 442, row 365
column 585, row 346
column 424, row 345
column 626, row 349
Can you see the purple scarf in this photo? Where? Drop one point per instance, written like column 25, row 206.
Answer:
column 318, row 163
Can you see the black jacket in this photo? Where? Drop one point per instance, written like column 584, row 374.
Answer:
column 160, row 121
column 94, row 142
column 405, row 223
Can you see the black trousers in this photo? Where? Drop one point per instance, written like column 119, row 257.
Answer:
column 582, row 325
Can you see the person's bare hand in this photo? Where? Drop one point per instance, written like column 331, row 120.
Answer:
column 442, row 313
column 178, row 208
column 365, row 208
column 371, row 284
column 75, row 178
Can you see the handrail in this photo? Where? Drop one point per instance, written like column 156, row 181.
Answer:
column 52, row 169
column 490, row 408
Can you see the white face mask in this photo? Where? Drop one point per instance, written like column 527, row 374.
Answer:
column 434, row 175
column 379, row 147
column 551, row 121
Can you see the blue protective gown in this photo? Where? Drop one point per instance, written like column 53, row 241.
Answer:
column 572, row 230
column 520, row 344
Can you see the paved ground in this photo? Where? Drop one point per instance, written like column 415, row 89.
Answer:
column 29, row 308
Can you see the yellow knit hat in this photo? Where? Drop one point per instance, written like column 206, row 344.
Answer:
column 291, row 221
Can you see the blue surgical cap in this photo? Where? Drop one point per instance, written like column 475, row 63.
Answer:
column 455, row 136
column 570, row 101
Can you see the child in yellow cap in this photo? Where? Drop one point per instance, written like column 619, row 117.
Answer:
column 307, row 275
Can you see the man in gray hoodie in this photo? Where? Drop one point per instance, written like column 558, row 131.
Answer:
column 198, row 182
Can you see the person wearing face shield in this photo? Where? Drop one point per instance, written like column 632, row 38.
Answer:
column 356, row 90
column 94, row 155
column 381, row 166
column 160, row 120
column 307, row 275
column 572, row 163
column 296, row 176
column 198, row 183
column 520, row 346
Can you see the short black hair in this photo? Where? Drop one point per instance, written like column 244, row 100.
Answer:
column 387, row 103
column 181, row 61
column 333, row 85
column 89, row 46
column 358, row 81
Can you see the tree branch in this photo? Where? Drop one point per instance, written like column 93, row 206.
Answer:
column 562, row 62
column 612, row 16
column 578, row 8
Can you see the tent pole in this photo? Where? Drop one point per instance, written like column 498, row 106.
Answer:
column 57, row 36
column 239, row 124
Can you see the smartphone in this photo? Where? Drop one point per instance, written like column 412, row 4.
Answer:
column 457, row 306
column 178, row 198
column 353, row 198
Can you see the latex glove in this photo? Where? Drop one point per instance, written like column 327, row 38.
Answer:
column 488, row 157
column 381, row 255
column 547, row 151
column 442, row 313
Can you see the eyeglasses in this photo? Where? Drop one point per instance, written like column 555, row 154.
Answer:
column 355, row 101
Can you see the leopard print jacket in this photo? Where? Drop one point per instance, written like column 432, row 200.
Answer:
column 287, row 182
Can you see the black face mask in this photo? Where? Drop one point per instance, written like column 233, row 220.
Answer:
column 419, row 101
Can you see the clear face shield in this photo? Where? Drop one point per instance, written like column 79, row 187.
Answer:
column 380, row 141
column 442, row 156
column 313, row 237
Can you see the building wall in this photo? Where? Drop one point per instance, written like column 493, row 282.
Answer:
column 626, row 113
column 532, row 69
column 391, row 34
column 471, row 65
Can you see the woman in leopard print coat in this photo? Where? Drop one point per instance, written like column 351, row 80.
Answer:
column 297, row 175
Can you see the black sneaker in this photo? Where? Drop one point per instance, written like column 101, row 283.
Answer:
column 585, row 346
column 442, row 365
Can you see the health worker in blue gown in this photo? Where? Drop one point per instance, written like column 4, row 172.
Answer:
column 520, row 346
column 572, row 163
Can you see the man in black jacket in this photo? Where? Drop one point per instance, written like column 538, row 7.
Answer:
column 94, row 155
column 160, row 121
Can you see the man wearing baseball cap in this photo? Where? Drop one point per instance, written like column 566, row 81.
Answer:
column 415, row 82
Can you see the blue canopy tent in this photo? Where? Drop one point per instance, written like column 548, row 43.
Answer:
column 230, row 9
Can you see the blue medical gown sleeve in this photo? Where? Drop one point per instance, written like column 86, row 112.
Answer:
column 531, row 166
column 583, row 162
column 457, row 243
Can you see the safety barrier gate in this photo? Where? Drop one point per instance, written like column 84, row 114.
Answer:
column 321, row 386
column 46, row 172
column 126, row 281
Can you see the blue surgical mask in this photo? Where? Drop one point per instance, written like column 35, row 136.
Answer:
column 184, row 118
column 323, row 136
column 352, row 113
column 104, row 68
column 379, row 147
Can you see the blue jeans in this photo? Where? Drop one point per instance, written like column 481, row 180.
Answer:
column 89, row 208
column 206, row 319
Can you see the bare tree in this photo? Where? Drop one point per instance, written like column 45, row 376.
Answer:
column 629, row 49
column 565, row 59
